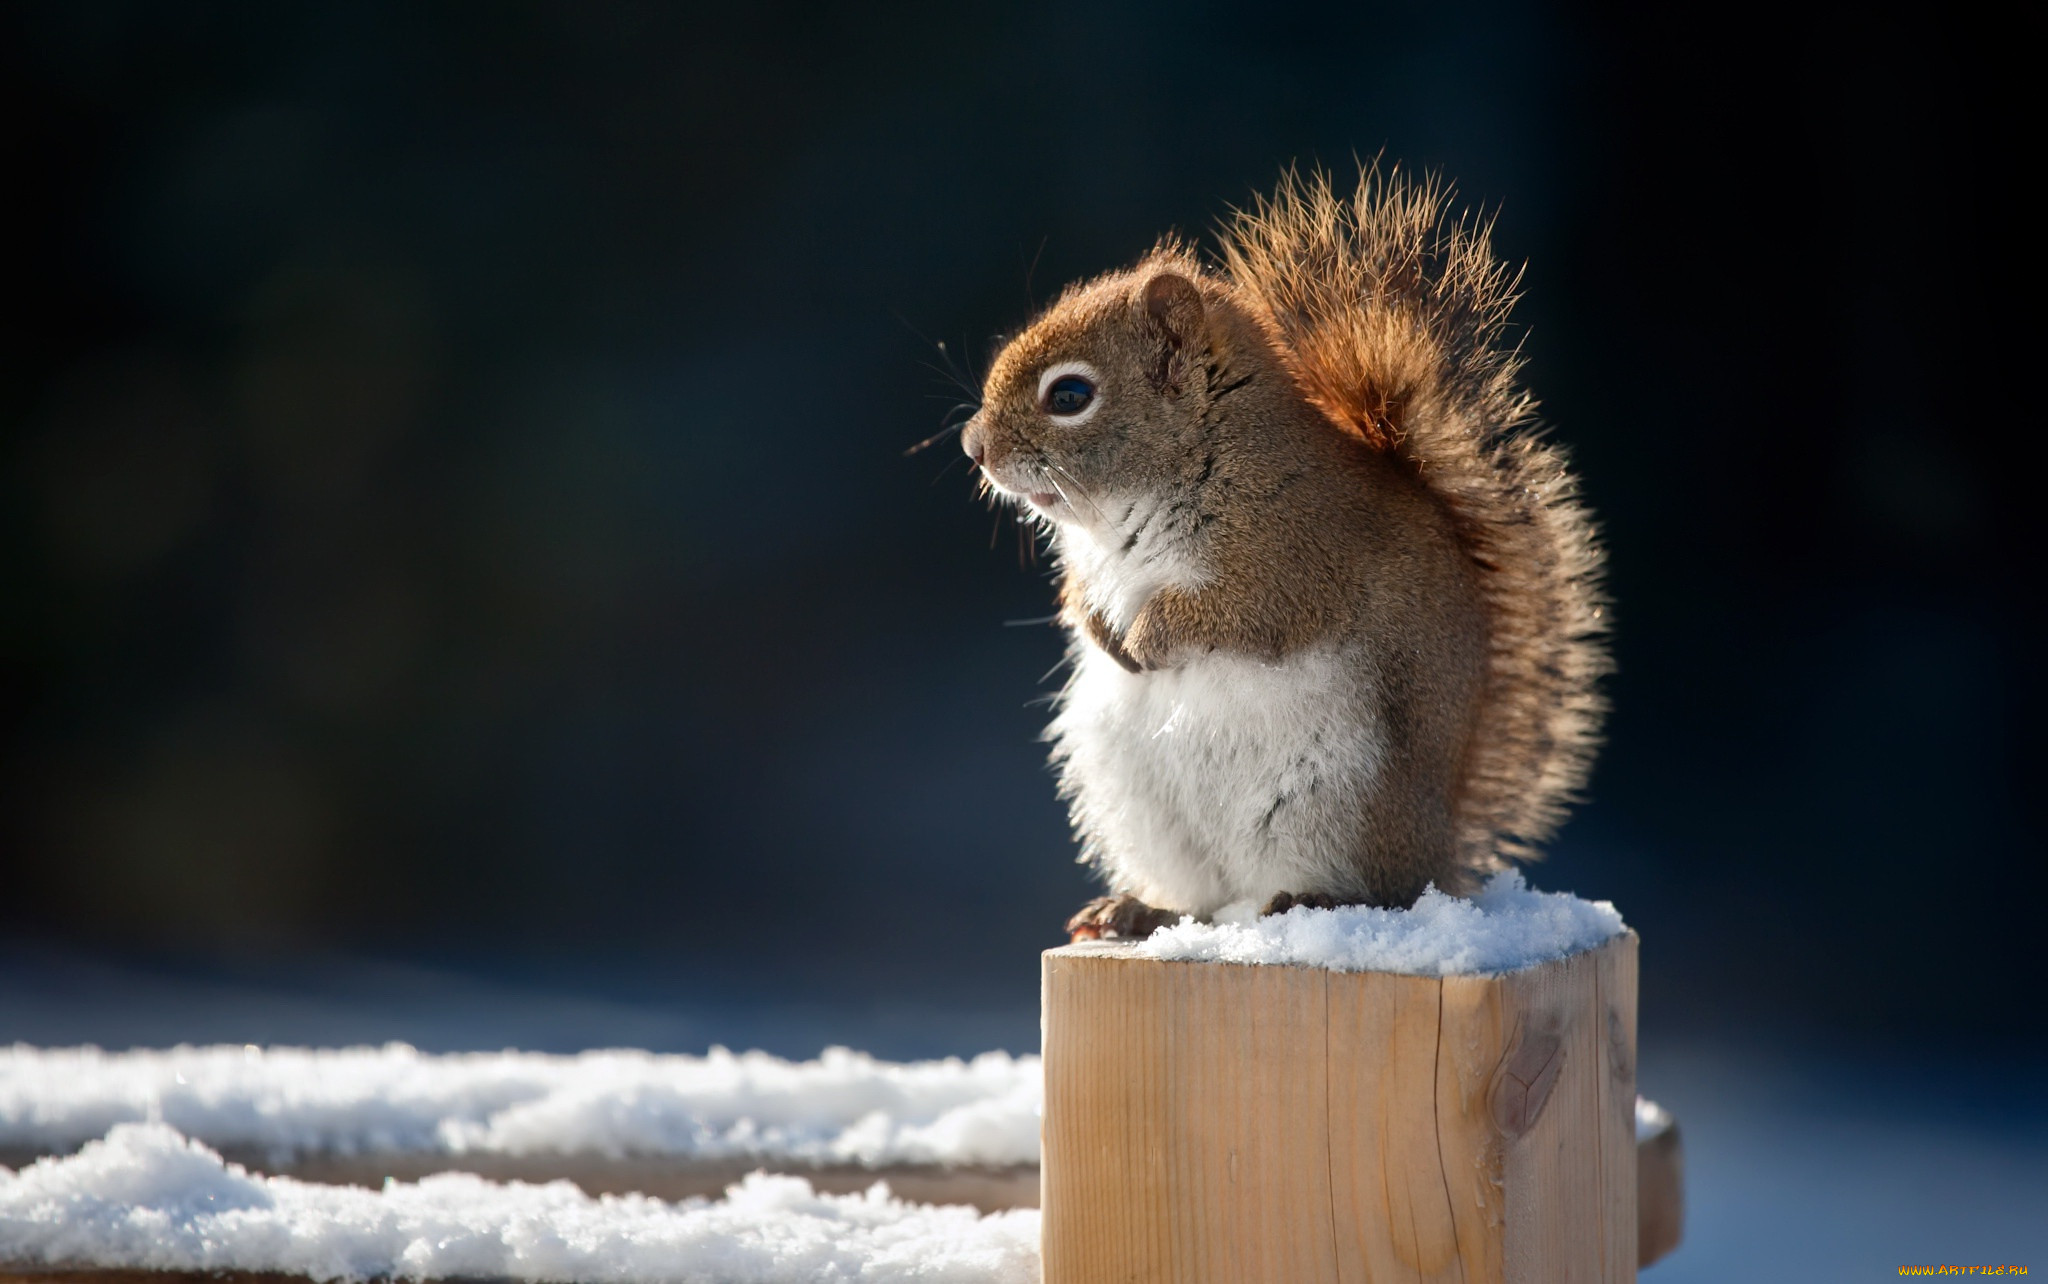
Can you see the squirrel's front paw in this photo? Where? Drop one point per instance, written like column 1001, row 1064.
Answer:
column 1104, row 636
column 1124, row 917
column 1146, row 648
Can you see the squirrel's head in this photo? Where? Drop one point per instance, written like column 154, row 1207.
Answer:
column 1108, row 391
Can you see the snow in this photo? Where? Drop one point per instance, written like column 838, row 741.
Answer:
column 147, row 1198
column 1651, row 1119
column 1507, row 926
column 843, row 1107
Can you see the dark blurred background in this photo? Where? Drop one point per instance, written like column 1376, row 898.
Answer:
column 459, row 542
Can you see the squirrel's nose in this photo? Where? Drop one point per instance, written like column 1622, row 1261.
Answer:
column 974, row 441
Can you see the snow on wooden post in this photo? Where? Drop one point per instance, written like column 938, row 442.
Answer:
column 1227, row 1122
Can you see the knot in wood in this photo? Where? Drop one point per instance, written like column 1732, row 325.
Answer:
column 1522, row 1085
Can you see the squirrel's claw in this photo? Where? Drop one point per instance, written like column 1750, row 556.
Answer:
column 1119, row 917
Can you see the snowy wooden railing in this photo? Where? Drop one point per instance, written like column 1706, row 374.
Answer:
column 1660, row 1183
column 127, row 1162
column 1240, row 1122
column 144, row 1206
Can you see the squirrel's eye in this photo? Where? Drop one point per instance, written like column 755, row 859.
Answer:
column 1069, row 395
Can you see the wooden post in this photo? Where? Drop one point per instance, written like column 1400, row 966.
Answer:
column 1232, row 1123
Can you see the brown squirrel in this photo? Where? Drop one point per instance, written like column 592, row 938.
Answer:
column 1336, row 608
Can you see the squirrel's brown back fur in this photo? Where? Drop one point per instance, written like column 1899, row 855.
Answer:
column 1391, row 317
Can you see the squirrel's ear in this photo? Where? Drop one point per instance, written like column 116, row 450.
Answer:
column 1173, row 313
column 1174, row 307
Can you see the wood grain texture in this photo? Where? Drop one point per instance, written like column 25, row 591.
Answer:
column 1213, row 1122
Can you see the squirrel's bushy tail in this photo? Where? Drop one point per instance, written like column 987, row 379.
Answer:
column 1392, row 317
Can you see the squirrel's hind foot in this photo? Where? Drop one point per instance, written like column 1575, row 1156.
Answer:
column 1314, row 900
column 1121, row 917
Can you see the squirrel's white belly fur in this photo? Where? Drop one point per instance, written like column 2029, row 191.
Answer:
column 1224, row 779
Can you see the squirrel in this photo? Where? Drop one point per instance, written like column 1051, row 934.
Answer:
column 1336, row 609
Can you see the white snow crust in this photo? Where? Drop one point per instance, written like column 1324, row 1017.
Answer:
column 147, row 1198
column 844, row 1107
column 1651, row 1119
column 1507, row 926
